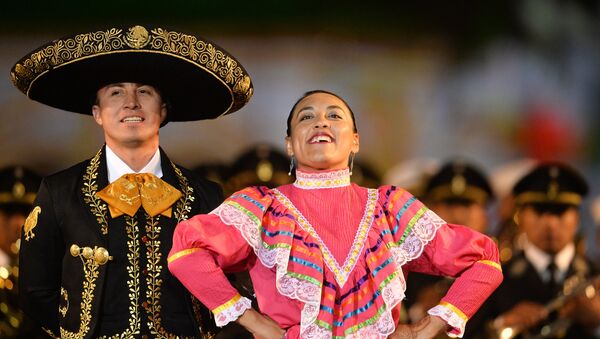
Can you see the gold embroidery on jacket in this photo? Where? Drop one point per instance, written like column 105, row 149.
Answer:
column 153, row 292
column 154, row 256
column 184, row 203
column 50, row 333
column 90, row 270
column 89, row 189
column 133, row 283
column 62, row 309
column 154, row 266
column 31, row 222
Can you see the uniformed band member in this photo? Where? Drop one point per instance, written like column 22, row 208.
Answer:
column 94, row 248
column 18, row 187
column 548, row 201
column 459, row 193
column 259, row 165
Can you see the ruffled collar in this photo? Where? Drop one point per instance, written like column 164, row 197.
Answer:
column 323, row 179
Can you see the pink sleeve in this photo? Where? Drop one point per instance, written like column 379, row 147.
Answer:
column 430, row 245
column 471, row 257
column 203, row 248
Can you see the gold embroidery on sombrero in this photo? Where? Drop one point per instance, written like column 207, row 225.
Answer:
column 201, row 53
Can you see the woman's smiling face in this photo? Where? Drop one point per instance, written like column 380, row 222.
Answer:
column 322, row 133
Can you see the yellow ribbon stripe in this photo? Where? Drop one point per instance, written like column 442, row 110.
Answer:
column 180, row 254
column 491, row 263
column 454, row 309
column 226, row 305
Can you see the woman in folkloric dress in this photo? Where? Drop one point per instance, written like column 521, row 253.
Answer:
column 329, row 258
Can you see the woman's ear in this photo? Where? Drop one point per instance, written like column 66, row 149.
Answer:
column 355, row 143
column 288, row 146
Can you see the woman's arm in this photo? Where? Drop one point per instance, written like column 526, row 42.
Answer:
column 472, row 258
column 203, row 247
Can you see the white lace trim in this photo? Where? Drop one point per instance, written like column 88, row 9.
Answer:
column 233, row 312
column 450, row 317
column 420, row 235
column 291, row 287
column 310, row 294
column 317, row 180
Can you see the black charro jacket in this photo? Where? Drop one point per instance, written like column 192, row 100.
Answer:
column 68, row 288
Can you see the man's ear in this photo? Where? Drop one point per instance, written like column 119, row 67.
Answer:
column 96, row 114
column 163, row 112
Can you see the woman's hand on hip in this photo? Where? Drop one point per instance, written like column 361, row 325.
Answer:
column 260, row 325
column 426, row 328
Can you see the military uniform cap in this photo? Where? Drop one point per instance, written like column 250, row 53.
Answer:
column 458, row 181
column 364, row 175
column 197, row 78
column 18, row 187
column 216, row 172
column 551, row 183
column 260, row 165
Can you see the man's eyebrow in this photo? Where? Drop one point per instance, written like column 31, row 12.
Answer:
column 116, row 84
column 335, row 106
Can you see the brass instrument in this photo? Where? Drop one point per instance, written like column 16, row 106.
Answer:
column 573, row 286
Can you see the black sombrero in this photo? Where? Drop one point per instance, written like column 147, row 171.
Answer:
column 198, row 79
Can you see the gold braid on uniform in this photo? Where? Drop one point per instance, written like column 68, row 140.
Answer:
column 90, row 187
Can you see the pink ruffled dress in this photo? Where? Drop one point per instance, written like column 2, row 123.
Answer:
column 329, row 259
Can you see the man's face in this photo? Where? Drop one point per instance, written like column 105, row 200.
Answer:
column 130, row 114
column 472, row 214
column 10, row 228
column 549, row 229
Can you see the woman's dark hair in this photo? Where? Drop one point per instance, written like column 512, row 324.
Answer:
column 309, row 93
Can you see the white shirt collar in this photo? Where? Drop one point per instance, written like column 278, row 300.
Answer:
column 540, row 260
column 117, row 167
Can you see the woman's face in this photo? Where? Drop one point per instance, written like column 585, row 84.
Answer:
column 322, row 133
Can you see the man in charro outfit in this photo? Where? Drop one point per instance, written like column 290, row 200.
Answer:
column 94, row 248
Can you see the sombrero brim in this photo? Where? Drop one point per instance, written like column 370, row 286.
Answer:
column 197, row 78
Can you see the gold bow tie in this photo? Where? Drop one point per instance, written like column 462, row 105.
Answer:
column 130, row 191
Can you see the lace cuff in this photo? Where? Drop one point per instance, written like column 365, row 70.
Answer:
column 231, row 310
column 451, row 315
